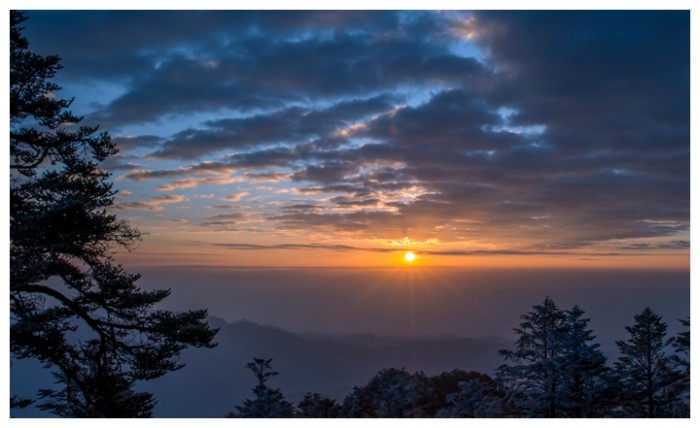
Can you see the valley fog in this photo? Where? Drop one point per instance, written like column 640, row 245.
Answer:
column 421, row 301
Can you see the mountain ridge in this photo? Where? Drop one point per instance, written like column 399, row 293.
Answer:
column 213, row 381
column 330, row 368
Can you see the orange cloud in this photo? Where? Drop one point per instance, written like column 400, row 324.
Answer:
column 186, row 183
column 234, row 197
column 156, row 203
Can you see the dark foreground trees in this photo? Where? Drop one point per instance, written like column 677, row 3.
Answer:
column 534, row 380
column 315, row 405
column 681, row 361
column 558, row 371
column 72, row 307
column 555, row 370
column 391, row 393
column 476, row 396
column 650, row 384
column 269, row 402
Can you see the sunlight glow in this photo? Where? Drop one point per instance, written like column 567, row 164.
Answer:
column 409, row 257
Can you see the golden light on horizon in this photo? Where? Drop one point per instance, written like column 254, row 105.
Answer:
column 409, row 257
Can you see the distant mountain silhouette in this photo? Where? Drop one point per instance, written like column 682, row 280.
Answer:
column 371, row 340
column 215, row 380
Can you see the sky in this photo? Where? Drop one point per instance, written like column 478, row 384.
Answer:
column 346, row 138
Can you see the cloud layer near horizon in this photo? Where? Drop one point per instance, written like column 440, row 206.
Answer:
column 515, row 132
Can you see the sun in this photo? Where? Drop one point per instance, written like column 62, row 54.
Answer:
column 409, row 257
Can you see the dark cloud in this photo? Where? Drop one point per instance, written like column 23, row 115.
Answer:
column 571, row 130
column 195, row 169
column 179, row 85
column 330, row 247
column 136, row 142
column 223, row 220
column 140, row 44
column 226, row 207
column 290, row 125
column 117, row 165
column 255, row 247
column 673, row 245
column 354, row 201
column 330, row 172
column 241, row 61
column 332, row 20
column 608, row 157
column 614, row 79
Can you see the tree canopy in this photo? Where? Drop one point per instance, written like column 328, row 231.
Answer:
column 73, row 307
column 650, row 384
column 269, row 402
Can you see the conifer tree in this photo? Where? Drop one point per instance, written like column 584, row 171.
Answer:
column 95, row 386
column 681, row 346
column 476, row 399
column 560, row 371
column 535, row 380
column 450, row 397
column 72, row 307
column 644, row 371
column 317, row 406
column 268, row 402
column 681, row 361
column 391, row 393
column 584, row 384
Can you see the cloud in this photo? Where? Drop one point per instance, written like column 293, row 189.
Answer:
column 669, row 245
column 226, row 207
column 593, row 170
column 224, row 220
column 198, row 168
column 289, row 125
column 266, row 177
column 586, row 82
column 138, row 51
column 340, row 247
column 157, row 203
column 256, row 247
column 129, row 142
column 328, row 172
column 234, row 197
column 265, row 158
column 528, row 129
column 196, row 182
column 237, row 60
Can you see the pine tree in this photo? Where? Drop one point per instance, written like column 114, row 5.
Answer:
column 318, row 406
column 447, row 392
column 391, row 393
column 644, row 371
column 561, row 372
column 681, row 346
column 476, row 398
column 535, row 382
column 359, row 404
column 584, row 384
column 96, row 386
column 72, row 307
column 268, row 402
column 681, row 361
